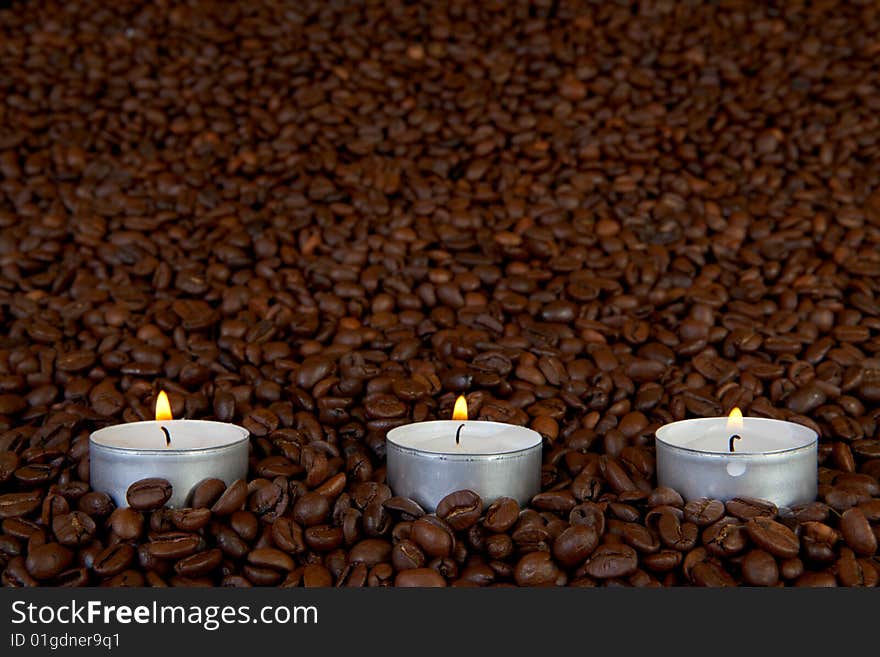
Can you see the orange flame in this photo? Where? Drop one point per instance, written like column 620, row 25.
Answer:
column 460, row 411
column 735, row 420
column 163, row 407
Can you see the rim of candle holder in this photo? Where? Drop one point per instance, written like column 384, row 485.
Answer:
column 471, row 456
column 806, row 446
column 163, row 450
column 464, row 456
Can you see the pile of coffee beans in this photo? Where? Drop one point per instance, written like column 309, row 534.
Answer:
column 324, row 220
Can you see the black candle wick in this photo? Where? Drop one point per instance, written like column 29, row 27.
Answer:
column 458, row 435
column 735, row 436
column 167, row 437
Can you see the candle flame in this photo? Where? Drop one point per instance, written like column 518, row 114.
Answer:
column 460, row 411
column 735, row 419
column 163, row 407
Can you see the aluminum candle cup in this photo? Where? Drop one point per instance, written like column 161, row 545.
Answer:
column 122, row 454
column 493, row 459
column 772, row 460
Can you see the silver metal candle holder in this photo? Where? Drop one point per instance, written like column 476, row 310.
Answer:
column 694, row 457
column 199, row 449
column 425, row 464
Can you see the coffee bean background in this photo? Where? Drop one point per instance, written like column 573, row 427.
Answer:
column 324, row 220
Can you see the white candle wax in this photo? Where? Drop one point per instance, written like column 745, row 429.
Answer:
column 476, row 437
column 185, row 435
column 753, row 442
column 199, row 449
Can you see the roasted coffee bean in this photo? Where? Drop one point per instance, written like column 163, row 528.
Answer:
column 589, row 514
column 725, row 537
column 704, row 511
column 174, row 545
column 232, row 499
column 10, row 546
column 113, row 560
column 73, row 577
column 499, row 546
column 857, row 532
column 352, row 527
column 199, row 564
column 74, row 528
column 229, row 541
column 611, row 560
column 574, row 545
column 262, row 575
column 95, row 504
column 316, row 576
column 311, row 509
column 759, row 568
column 557, row 501
column 288, row 535
column 640, row 537
column 709, row 573
column 840, row 499
column 235, row 581
column 818, row 541
column 433, row 536
column 501, row 515
column 870, row 509
column 407, row 555
column 161, row 520
column 35, row 474
column 460, row 509
column 206, row 494
column 354, row 576
column 625, row 512
column 816, row 579
column 405, row 507
column 476, row 575
column 774, row 537
column 19, row 504
column 745, row 508
column 814, row 511
column 586, row 486
column 268, row 501
column 537, row 569
column 53, row 505
column 364, row 493
column 8, row 464
column 383, row 575
column 675, row 534
column 16, row 574
column 662, row 561
column 323, row 538
column 245, row 524
column 48, row 560
column 532, row 536
column 418, row 577
column 665, row 496
column 127, row 578
column 371, row 551
column 148, row 494
column 376, row 520
column 190, row 520
column 791, row 569
column 270, row 558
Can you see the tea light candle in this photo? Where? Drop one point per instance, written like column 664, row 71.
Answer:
column 428, row 460
column 731, row 457
column 185, row 452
